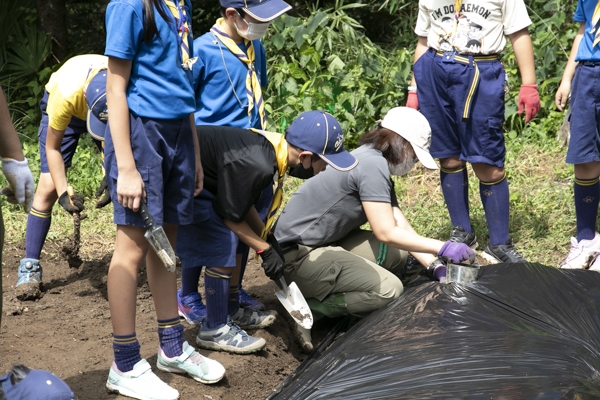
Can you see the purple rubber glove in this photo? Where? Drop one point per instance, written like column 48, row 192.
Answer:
column 457, row 252
column 437, row 270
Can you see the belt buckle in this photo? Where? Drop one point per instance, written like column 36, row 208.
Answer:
column 448, row 56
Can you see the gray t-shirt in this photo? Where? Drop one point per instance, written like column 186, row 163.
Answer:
column 328, row 206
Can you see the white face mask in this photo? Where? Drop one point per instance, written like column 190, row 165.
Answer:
column 402, row 168
column 254, row 31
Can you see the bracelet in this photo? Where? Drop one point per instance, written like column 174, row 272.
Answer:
column 412, row 88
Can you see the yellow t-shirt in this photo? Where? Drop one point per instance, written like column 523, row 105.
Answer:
column 66, row 89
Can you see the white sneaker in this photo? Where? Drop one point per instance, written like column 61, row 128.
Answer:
column 139, row 383
column 582, row 253
column 191, row 362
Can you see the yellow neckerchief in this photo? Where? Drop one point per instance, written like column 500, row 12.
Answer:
column 281, row 155
column 183, row 30
column 595, row 29
column 253, row 89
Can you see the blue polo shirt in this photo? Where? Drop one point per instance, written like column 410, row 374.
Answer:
column 583, row 13
column 220, row 84
column 159, row 87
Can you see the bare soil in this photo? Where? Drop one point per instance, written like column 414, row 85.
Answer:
column 68, row 330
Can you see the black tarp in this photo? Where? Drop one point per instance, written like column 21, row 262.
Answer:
column 522, row 331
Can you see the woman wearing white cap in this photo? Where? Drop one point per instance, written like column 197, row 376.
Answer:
column 339, row 268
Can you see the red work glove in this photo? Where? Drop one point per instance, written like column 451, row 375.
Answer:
column 529, row 100
column 412, row 101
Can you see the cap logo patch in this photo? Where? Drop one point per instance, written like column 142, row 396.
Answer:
column 339, row 142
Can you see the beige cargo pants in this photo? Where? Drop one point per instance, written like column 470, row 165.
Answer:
column 344, row 278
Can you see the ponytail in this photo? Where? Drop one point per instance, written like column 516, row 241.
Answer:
column 150, row 29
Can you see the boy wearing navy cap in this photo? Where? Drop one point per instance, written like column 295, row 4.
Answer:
column 229, row 78
column 238, row 165
column 22, row 383
column 76, row 93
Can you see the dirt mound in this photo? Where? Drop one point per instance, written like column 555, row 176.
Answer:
column 68, row 331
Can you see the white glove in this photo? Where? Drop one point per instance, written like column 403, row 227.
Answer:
column 20, row 182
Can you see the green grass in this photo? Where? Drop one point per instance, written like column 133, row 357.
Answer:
column 541, row 221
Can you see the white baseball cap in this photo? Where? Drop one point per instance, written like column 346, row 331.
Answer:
column 414, row 127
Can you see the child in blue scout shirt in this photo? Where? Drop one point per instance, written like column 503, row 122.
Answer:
column 152, row 155
column 458, row 84
column 580, row 81
column 72, row 104
column 229, row 78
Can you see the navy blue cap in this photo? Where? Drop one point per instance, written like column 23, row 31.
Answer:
column 320, row 133
column 260, row 10
column 37, row 385
column 95, row 96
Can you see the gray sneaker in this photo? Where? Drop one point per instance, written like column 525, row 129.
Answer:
column 504, row 253
column 249, row 319
column 459, row 235
column 230, row 338
column 29, row 279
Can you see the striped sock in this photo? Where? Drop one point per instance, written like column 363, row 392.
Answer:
column 587, row 196
column 234, row 300
column 455, row 187
column 127, row 351
column 38, row 225
column 494, row 197
column 216, row 288
column 170, row 337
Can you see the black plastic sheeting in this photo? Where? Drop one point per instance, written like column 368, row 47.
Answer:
column 522, row 331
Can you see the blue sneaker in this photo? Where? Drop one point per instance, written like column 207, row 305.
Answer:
column 30, row 272
column 191, row 308
column 248, row 302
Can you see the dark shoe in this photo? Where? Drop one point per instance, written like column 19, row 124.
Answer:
column 504, row 253
column 459, row 235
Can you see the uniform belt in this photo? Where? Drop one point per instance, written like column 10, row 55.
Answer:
column 590, row 63
column 452, row 57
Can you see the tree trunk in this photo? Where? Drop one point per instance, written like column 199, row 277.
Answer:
column 52, row 15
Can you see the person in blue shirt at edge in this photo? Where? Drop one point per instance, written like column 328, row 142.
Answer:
column 229, row 78
column 578, row 86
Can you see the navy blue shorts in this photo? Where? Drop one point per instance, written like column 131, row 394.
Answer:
column 208, row 241
column 164, row 156
column 584, row 145
column 69, row 143
column 443, row 87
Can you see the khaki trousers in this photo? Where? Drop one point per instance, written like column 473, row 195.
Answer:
column 344, row 278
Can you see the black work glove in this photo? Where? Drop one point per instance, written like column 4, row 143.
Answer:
column 272, row 263
column 102, row 194
column 275, row 244
column 76, row 200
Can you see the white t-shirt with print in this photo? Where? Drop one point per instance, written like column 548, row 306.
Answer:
column 482, row 26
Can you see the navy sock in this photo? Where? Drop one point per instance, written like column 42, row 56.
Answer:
column 127, row 351
column 190, row 276
column 38, row 225
column 170, row 337
column 216, row 288
column 234, row 300
column 494, row 197
column 455, row 187
column 587, row 196
column 242, row 251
